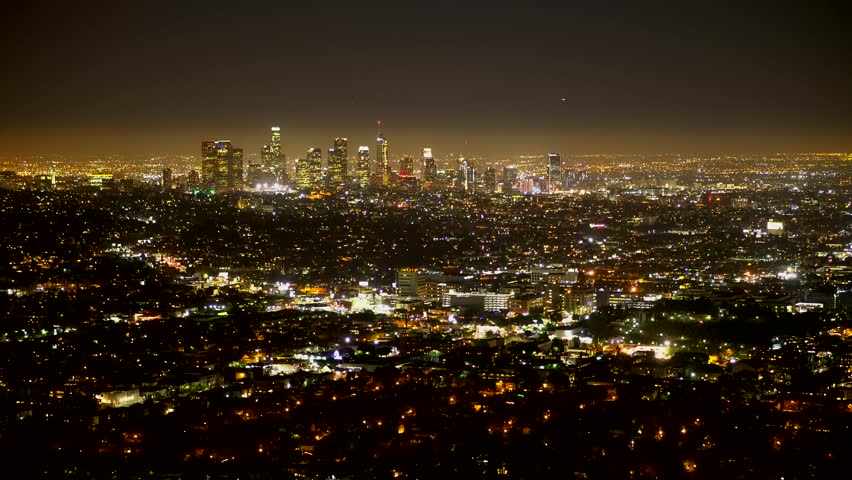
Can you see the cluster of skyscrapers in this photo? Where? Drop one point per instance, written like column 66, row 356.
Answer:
column 223, row 168
column 222, row 165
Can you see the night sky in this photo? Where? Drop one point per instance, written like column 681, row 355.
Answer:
column 495, row 78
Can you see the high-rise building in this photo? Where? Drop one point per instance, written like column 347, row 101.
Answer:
column 166, row 181
column 363, row 169
column 221, row 165
column 276, row 141
column 406, row 167
column 466, row 177
column 489, row 180
column 510, row 177
column 382, row 165
column 430, row 169
column 315, row 163
column 208, row 161
column 235, row 179
column 309, row 170
column 273, row 159
column 407, row 282
column 338, row 162
column 266, row 154
column 278, row 165
column 303, row 180
column 326, row 175
column 554, row 171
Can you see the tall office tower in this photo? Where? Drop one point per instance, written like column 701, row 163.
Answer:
column 235, row 180
column 303, row 179
column 554, row 171
column 461, row 172
column 489, row 179
column 406, row 167
column 255, row 171
column 276, row 141
column 274, row 160
column 221, row 165
column 382, row 165
column 208, row 161
column 224, row 165
column 363, row 166
column 223, row 162
column 166, row 182
column 510, row 177
column 466, row 177
column 310, row 169
column 326, row 174
column 266, row 156
column 278, row 167
column 338, row 162
column 430, row 169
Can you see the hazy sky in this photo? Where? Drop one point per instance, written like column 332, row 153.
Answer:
column 497, row 78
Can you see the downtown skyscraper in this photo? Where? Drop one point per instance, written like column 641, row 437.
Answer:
column 430, row 169
column 554, row 172
column 309, row 169
column 466, row 176
column 382, row 165
column 338, row 162
column 273, row 158
column 510, row 177
column 221, row 165
column 363, row 168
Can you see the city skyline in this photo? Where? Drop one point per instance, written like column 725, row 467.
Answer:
column 372, row 240
column 496, row 81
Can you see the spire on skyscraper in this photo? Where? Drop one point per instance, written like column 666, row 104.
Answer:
column 382, row 166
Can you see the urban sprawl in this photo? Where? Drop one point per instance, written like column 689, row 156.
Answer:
column 356, row 313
